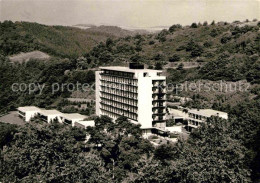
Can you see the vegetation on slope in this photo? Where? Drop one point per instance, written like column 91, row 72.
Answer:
column 55, row 40
column 219, row 151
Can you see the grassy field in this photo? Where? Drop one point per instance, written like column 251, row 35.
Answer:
column 12, row 118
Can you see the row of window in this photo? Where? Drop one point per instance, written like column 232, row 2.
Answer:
column 159, row 90
column 159, row 110
column 119, row 86
column 159, row 104
column 159, row 83
column 192, row 122
column 119, row 105
column 118, row 73
column 119, row 99
column 122, row 94
column 158, row 118
column 107, row 110
column 116, row 79
column 195, row 116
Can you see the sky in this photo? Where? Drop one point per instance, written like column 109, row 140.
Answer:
column 130, row 13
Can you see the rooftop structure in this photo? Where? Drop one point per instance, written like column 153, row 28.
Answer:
column 49, row 112
column 28, row 108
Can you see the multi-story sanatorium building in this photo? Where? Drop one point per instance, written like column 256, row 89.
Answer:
column 136, row 93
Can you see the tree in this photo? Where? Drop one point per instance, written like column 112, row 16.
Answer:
column 7, row 132
column 196, row 51
column 49, row 153
column 174, row 27
column 119, row 144
column 164, row 153
column 180, row 66
column 212, row 155
column 158, row 66
column 194, row 25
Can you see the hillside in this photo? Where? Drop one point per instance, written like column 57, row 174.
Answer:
column 230, row 51
column 114, row 30
column 219, row 51
column 55, row 40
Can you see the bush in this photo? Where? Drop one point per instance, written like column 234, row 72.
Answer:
column 214, row 33
column 174, row 58
column 225, row 39
column 180, row 66
column 151, row 42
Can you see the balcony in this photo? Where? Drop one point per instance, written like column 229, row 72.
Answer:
column 162, row 98
column 159, row 112
column 159, row 118
column 159, row 90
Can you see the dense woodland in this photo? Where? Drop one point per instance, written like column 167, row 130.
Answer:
column 220, row 151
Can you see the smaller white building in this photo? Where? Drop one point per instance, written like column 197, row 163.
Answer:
column 50, row 115
column 28, row 112
column 198, row 116
column 71, row 118
column 85, row 124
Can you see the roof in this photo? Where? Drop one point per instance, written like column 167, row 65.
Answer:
column 207, row 112
column 72, row 116
column 127, row 69
column 28, row 108
column 49, row 112
column 86, row 123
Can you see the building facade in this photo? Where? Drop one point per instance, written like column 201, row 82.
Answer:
column 136, row 93
column 28, row 112
column 198, row 116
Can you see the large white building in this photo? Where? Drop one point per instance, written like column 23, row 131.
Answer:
column 198, row 116
column 134, row 92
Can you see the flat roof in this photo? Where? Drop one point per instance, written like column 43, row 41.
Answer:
column 72, row 116
column 206, row 112
column 49, row 112
column 127, row 69
column 28, row 108
column 91, row 122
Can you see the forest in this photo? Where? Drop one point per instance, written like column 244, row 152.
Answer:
column 219, row 151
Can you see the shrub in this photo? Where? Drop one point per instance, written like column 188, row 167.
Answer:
column 174, row 58
column 151, row 42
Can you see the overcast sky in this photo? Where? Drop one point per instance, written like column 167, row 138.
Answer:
column 133, row 13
